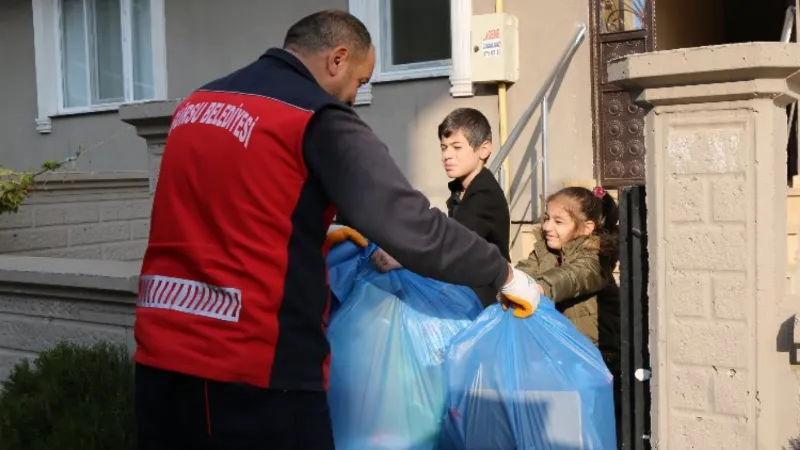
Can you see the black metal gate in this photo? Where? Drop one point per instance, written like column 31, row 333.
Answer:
column 635, row 374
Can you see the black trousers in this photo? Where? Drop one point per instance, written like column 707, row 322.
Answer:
column 181, row 412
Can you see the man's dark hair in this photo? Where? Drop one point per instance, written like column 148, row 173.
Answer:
column 469, row 121
column 327, row 29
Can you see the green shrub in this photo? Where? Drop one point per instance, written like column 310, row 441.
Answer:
column 69, row 398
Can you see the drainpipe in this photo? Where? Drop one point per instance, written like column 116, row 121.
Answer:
column 502, row 104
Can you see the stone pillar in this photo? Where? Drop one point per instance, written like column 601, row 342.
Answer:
column 716, row 197
column 152, row 120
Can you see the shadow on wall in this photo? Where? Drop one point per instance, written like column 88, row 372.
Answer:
column 784, row 343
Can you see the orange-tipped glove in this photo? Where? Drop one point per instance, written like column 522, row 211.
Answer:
column 522, row 294
column 338, row 234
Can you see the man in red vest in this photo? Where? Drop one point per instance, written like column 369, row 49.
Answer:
column 233, row 299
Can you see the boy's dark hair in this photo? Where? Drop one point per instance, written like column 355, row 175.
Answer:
column 469, row 121
column 327, row 29
column 584, row 205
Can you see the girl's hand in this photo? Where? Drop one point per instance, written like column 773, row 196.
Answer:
column 384, row 262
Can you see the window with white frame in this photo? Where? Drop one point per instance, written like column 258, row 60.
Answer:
column 106, row 52
column 94, row 55
column 418, row 39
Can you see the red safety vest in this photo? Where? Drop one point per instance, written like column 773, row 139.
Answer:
column 233, row 285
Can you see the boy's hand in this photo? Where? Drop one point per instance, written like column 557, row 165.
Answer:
column 384, row 262
column 522, row 294
column 338, row 234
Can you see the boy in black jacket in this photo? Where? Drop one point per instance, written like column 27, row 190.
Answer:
column 476, row 199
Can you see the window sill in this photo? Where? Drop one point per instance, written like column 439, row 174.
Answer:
column 87, row 111
column 364, row 96
column 45, row 125
column 413, row 74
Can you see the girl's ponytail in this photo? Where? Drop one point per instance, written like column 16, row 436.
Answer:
column 605, row 214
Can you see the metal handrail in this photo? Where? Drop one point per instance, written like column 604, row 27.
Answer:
column 502, row 154
column 788, row 24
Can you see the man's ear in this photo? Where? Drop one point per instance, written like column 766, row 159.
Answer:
column 485, row 151
column 337, row 59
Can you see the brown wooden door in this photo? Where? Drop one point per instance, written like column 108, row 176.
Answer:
column 618, row 28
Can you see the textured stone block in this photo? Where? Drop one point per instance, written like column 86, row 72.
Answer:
column 84, row 252
column 688, row 294
column 731, row 393
column 690, row 389
column 709, row 150
column 101, row 232
column 20, row 219
column 729, row 201
column 685, row 199
column 701, row 343
column 24, row 305
column 690, row 248
column 125, row 251
column 35, row 334
column 63, row 218
column 140, row 229
column 702, row 432
column 125, row 210
column 103, row 313
column 68, row 213
column 730, row 296
column 32, row 239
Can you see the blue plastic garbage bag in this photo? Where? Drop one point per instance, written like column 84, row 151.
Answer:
column 344, row 261
column 388, row 342
column 533, row 384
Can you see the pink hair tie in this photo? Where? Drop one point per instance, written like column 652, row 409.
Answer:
column 599, row 192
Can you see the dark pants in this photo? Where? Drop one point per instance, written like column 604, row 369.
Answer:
column 181, row 412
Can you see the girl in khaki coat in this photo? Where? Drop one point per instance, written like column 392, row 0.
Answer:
column 573, row 263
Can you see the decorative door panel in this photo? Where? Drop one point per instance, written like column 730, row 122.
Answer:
column 618, row 28
column 622, row 134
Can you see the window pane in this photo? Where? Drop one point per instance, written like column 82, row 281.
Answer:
column 143, row 86
column 621, row 15
column 73, row 54
column 105, row 38
column 420, row 30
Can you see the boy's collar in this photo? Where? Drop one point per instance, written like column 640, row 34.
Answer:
column 457, row 184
